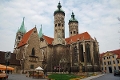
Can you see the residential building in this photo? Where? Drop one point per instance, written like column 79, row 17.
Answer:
column 13, row 62
column 110, row 61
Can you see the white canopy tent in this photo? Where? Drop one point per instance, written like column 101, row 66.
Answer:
column 39, row 68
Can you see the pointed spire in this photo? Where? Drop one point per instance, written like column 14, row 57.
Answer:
column 72, row 19
column 73, row 16
column 59, row 5
column 59, row 10
column 22, row 28
column 40, row 32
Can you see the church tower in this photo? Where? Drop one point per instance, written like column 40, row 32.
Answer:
column 21, row 31
column 59, row 26
column 73, row 26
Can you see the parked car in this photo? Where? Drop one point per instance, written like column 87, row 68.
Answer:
column 116, row 72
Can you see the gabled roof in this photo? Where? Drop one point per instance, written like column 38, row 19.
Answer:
column 25, row 38
column 75, row 38
column 49, row 40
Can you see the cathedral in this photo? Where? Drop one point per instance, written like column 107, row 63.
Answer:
column 77, row 53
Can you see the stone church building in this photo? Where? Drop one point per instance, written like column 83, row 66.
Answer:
column 78, row 52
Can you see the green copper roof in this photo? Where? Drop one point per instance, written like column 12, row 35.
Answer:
column 22, row 28
column 40, row 32
column 72, row 19
column 59, row 10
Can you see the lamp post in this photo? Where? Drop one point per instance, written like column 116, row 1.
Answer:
column 7, row 57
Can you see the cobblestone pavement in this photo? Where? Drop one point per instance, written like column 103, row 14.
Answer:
column 21, row 77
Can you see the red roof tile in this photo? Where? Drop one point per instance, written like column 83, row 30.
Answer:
column 117, row 52
column 49, row 40
column 25, row 38
column 82, row 36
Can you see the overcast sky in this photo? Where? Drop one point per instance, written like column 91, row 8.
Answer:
column 97, row 17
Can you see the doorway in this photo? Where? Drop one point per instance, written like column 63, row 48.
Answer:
column 110, row 69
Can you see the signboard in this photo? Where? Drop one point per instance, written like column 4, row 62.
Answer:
column 7, row 55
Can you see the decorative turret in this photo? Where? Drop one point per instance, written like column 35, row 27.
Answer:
column 72, row 19
column 40, row 32
column 59, row 23
column 73, row 25
column 20, row 33
column 22, row 28
column 59, row 10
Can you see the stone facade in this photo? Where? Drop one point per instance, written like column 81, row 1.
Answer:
column 78, row 52
column 29, row 54
column 110, row 61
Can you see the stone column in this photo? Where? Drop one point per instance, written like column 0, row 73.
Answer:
column 92, row 54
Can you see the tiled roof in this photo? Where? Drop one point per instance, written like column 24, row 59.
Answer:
column 49, row 40
column 12, row 60
column 117, row 52
column 25, row 38
column 82, row 36
column 101, row 55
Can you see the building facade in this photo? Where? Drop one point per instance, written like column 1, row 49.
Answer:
column 110, row 61
column 77, row 52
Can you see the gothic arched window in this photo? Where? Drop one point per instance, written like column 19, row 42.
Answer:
column 33, row 52
column 81, row 53
column 88, row 53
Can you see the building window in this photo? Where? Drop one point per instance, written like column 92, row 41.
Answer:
column 113, row 62
column 74, row 32
column 114, row 68
column 59, row 24
column 33, row 52
column 18, row 37
column 105, row 68
column 88, row 52
column 104, row 58
column 108, row 62
column 113, row 56
column 104, row 63
column 118, row 61
column 119, row 67
column 55, row 25
column 62, row 25
column 31, row 66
